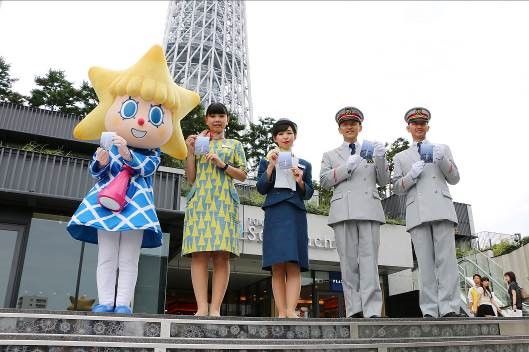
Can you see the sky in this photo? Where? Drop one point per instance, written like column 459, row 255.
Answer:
column 467, row 62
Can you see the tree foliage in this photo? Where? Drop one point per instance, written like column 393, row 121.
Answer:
column 54, row 92
column 7, row 95
column 257, row 140
column 324, row 195
column 235, row 129
column 397, row 146
column 193, row 123
column 86, row 99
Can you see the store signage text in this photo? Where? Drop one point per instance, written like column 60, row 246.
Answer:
column 253, row 231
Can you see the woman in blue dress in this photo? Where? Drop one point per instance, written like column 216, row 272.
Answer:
column 285, row 237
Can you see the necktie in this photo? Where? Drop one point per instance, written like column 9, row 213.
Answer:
column 419, row 147
column 352, row 146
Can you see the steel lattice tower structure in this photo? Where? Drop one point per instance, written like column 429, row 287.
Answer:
column 206, row 50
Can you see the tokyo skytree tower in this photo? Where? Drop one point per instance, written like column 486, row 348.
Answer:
column 206, row 50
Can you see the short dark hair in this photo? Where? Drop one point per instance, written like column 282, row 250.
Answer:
column 282, row 125
column 473, row 276
column 511, row 276
column 216, row 108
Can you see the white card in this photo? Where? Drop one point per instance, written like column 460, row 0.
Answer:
column 202, row 145
column 284, row 177
column 106, row 140
column 284, row 160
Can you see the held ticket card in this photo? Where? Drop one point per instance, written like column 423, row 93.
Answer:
column 106, row 140
column 427, row 152
column 366, row 152
column 202, row 145
column 284, row 160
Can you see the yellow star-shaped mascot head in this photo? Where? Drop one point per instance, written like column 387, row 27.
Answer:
column 142, row 104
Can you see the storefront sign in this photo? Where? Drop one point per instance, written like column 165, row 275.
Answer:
column 335, row 281
column 253, row 231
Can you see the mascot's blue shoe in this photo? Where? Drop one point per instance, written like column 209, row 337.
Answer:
column 123, row 310
column 102, row 308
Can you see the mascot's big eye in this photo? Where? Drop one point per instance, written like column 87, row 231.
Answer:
column 129, row 108
column 156, row 115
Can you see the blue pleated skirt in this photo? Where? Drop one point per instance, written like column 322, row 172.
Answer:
column 285, row 237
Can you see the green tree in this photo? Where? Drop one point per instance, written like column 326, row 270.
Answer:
column 235, row 129
column 397, row 146
column 86, row 99
column 193, row 122
column 257, row 140
column 324, row 195
column 54, row 92
column 7, row 95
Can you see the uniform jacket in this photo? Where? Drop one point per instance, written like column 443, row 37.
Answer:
column 355, row 195
column 277, row 195
column 427, row 197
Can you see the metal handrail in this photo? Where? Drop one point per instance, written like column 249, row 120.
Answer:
column 502, row 289
column 492, row 279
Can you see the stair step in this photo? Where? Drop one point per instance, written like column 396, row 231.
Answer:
column 43, row 331
column 33, row 343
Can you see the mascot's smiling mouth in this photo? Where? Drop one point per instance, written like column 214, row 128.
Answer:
column 138, row 133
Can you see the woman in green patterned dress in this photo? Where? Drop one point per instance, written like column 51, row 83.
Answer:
column 211, row 227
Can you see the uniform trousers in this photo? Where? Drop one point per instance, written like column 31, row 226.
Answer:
column 357, row 245
column 434, row 245
column 117, row 250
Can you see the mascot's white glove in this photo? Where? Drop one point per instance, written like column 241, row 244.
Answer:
column 353, row 161
column 379, row 149
column 416, row 169
column 438, row 152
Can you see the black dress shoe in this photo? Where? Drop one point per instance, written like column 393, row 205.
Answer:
column 452, row 315
column 375, row 317
column 357, row 315
column 427, row 316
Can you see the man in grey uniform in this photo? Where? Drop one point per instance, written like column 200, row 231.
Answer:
column 356, row 213
column 430, row 215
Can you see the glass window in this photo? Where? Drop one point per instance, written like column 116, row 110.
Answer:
column 149, row 296
column 304, row 307
column 87, row 281
column 329, row 293
column 50, row 265
column 8, row 240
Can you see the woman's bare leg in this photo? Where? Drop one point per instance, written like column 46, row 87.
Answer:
column 220, row 279
column 279, row 288
column 199, row 278
column 293, row 288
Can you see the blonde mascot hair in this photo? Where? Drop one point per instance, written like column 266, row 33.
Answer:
column 149, row 79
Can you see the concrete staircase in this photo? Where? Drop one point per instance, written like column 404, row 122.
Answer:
column 42, row 331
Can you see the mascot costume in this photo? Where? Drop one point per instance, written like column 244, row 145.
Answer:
column 138, row 116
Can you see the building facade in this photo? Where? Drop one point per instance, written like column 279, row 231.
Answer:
column 206, row 50
column 43, row 178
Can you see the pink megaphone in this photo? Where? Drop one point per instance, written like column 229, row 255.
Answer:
column 113, row 195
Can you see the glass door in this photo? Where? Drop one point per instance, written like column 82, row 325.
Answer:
column 10, row 238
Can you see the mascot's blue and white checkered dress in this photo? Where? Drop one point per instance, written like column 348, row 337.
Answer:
column 138, row 214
